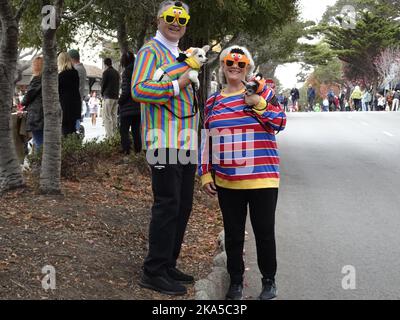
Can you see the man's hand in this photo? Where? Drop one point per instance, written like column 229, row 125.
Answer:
column 184, row 79
column 252, row 100
column 210, row 189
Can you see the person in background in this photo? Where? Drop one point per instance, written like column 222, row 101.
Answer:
column 70, row 98
column 311, row 97
column 33, row 104
column 94, row 104
column 76, row 62
column 110, row 92
column 356, row 98
column 295, row 95
column 342, row 98
column 129, row 110
column 285, row 103
column 381, row 102
column 396, row 100
column 331, row 100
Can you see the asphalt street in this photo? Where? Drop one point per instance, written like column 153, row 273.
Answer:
column 339, row 205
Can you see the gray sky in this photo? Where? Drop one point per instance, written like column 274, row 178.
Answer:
column 310, row 10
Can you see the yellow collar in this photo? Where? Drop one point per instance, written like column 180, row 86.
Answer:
column 191, row 62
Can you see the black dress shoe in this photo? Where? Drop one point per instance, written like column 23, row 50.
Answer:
column 235, row 292
column 179, row 276
column 268, row 290
column 163, row 284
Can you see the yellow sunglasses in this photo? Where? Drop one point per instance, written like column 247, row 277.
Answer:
column 177, row 14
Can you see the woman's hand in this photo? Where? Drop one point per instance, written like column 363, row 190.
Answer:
column 252, row 100
column 210, row 189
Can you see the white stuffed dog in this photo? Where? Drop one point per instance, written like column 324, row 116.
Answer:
column 195, row 58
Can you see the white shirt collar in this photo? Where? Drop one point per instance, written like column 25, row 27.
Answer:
column 172, row 46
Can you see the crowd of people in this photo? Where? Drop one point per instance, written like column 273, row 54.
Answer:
column 118, row 108
column 357, row 99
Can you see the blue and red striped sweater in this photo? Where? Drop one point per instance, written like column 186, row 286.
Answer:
column 245, row 155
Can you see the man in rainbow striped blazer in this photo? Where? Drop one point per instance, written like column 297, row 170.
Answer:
column 170, row 136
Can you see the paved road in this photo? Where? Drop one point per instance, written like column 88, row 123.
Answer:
column 94, row 132
column 339, row 205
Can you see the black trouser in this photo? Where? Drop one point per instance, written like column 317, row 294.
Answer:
column 262, row 203
column 311, row 104
column 68, row 127
column 173, row 186
column 130, row 122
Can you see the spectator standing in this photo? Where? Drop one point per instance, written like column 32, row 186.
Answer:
column 295, row 95
column 94, row 104
column 110, row 92
column 310, row 97
column 129, row 110
column 396, row 100
column 70, row 98
column 356, row 97
column 331, row 100
column 76, row 62
column 33, row 104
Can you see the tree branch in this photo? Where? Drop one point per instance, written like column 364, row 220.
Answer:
column 21, row 10
column 87, row 5
column 21, row 56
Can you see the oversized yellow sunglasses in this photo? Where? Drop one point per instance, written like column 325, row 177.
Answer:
column 176, row 13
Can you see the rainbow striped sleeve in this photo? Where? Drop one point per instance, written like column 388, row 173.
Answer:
column 205, row 165
column 145, row 90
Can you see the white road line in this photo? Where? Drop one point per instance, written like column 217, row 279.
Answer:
column 388, row 134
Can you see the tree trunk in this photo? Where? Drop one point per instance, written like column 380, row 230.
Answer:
column 10, row 170
column 50, row 175
column 143, row 32
column 122, row 36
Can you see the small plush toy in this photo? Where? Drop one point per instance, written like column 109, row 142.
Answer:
column 258, row 85
column 194, row 58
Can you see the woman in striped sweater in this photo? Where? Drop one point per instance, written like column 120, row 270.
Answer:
column 245, row 166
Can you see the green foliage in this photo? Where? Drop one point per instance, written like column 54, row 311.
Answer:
column 358, row 48
column 79, row 159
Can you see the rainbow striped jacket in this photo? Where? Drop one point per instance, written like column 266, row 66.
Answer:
column 244, row 154
column 162, row 113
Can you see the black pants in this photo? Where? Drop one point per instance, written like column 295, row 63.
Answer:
column 130, row 123
column 262, row 203
column 68, row 127
column 173, row 186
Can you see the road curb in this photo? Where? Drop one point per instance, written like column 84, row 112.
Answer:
column 215, row 286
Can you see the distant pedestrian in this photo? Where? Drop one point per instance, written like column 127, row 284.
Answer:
column 70, row 98
column 311, row 97
column 295, row 95
column 356, row 97
column 94, row 104
column 33, row 103
column 331, row 100
column 396, row 100
column 110, row 92
column 76, row 62
column 129, row 110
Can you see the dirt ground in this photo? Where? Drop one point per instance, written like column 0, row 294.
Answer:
column 95, row 236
